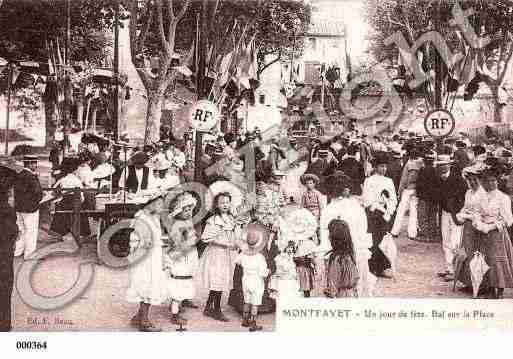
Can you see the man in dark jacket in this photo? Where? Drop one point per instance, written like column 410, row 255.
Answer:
column 354, row 170
column 8, row 234
column 461, row 157
column 27, row 196
column 452, row 198
column 395, row 169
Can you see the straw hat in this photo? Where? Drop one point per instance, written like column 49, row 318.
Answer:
column 139, row 158
column 256, row 238
column 10, row 163
column 443, row 160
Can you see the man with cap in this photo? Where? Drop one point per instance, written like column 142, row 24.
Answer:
column 8, row 234
column 452, row 198
column 408, row 193
column 395, row 167
column 354, row 169
column 137, row 176
column 461, row 157
column 27, row 196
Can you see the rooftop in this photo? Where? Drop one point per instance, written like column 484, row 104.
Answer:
column 326, row 28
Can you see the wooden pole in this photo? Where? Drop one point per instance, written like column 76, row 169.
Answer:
column 116, row 71
column 8, row 110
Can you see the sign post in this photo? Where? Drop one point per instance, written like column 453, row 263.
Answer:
column 204, row 116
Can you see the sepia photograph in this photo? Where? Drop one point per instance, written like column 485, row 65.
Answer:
column 188, row 165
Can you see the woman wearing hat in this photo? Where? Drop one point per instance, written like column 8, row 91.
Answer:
column 380, row 201
column 162, row 178
column 492, row 223
column 137, row 176
column 470, row 238
column 348, row 208
column 427, row 192
column 62, row 223
column 148, row 281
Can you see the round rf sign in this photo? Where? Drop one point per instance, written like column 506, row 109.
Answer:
column 204, row 115
column 439, row 123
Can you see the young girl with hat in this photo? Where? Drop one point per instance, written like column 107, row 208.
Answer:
column 312, row 199
column 217, row 263
column 284, row 282
column 254, row 267
column 181, row 255
column 147, row 278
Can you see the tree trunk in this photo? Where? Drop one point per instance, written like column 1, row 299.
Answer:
column 153, row 116
column 94, row 111
column 50, row 121
column 498, row 108
column 80, row 111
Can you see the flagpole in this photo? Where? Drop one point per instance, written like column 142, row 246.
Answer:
column 7, row 113
column 116, row 71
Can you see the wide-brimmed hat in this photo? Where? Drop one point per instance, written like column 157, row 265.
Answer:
column 30, row 159
column 443, row 160
column 103, row 170
column 160, row 163
column 224, row 187
column 309, row 177
column 181, row 201
column 474, row 170
column 69, row 165
column 380, row 158
column 10, row 163
column 139, row 158
column 256, row 237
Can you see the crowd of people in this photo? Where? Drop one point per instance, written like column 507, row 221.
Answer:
column 322, row 213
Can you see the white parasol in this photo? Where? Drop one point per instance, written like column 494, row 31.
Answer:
column 300, row 224
column 478, row 269
column 389, row 249
column 224, row 186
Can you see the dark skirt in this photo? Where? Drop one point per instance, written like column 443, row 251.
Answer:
column 6, row 281
column 429, row 226
column 62, row 223
column 499, row 256
column 378, row 227
column 472, row 242
column 305, row 273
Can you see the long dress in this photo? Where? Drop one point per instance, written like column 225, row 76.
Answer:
column 147, row 278
column 351, row 211
column 471, row 239
column 217, row 262
column 182, row 262
column 377, row 207
column 497, row 244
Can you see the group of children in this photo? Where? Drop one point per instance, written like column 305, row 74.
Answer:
column 230, row 242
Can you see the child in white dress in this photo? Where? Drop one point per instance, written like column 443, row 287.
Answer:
column 284, row 283
column 181, row 257
column 254, row 267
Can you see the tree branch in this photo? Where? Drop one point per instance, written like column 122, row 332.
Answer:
column 133, row 28
column 146, row 28
column 182, row 12
column 162, row 35
column 508, row 59
column 278, row 58
column 170, row 9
